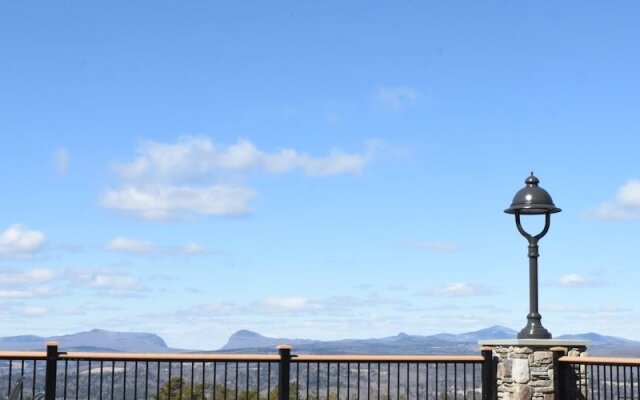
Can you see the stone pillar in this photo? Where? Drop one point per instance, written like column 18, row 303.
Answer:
column 526, row 368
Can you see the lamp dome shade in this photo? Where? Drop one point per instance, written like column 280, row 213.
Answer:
column 532, row 200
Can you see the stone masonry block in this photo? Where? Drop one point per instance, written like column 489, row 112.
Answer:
column 543, row 357
column 520, row 370
column 523, row 392
column 521, row 350
column 504, row 369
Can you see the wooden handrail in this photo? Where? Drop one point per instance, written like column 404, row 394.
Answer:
column 386, row 358
column 198, row 357
column 23, row 355
column 601, row 360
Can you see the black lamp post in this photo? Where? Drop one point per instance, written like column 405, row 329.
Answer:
column 533, row 200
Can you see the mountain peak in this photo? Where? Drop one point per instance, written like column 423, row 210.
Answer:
column 245, row 333
column 246, row 339
column 118, row 341
column 93, row 340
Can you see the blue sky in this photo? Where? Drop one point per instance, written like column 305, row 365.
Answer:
column 315, row 169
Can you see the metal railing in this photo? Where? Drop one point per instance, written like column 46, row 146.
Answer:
column 28, row 365
column 282, row 376
column 387, row 377
column 599, row 378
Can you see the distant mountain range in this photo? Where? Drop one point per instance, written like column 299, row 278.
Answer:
column 402, row 343
column 97, row 340
column 245, row 341
column 442, row 343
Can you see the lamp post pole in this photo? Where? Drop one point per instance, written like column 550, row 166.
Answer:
column 533, row 200
column 534, row 328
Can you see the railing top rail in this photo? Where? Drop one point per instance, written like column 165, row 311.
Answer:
column 23, row 355
column 177, row 357
column 213, row 357
column 601, row 360
column 387, row 358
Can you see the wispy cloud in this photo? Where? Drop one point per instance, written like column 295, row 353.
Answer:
column 277, row 310
column 192, row 248
column 14, row 277
column 24, row 293
column 215, row 309
column 188, row 177
column 574, row 280
column 397, row 287
column 126, row 245
column 18, row 241
column 146, row 247
column 592, row 315
column 334, row 305
column 61, row 160
column 162, row 201
column 197, row 313
column 394, row 98
column 457, row 289
column 196, row 157
column 108, row 281
column 290, row 304
column 35, row 311
column 433, row 246
column 624, row 206
column 33, row 283
column 15, row 294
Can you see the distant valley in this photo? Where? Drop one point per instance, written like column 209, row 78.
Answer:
column 245, row 341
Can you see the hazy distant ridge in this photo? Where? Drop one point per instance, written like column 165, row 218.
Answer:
column 401, row 343
column 245, row 341
column 94, row 340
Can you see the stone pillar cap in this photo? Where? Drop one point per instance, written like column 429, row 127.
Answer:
column 535, row 342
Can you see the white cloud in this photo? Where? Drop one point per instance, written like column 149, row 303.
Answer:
column 197, row 157
column 289, row 304
column 190, row 316
column 130, row 245
column 575, row 280
column 35, row 311
column 456, row 289
column 21, row 293
column 330, row 306
column 112, row 282
column 47, row 292
column 395, row 98
column 165, row 201
column 166, row 180
column 192, row 248
column 15, row 294
column 145, row 247
column 593, row 316
column 18, row 241
column 337, row 162
column 439, row 247
column 625, row 205
column 572, row 280
column 61, row 160
column 95, row 306
column 212, row 309
column 17, row 277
